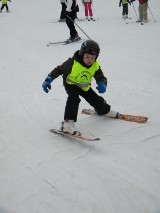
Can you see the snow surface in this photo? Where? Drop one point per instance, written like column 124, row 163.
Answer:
column 44, row 173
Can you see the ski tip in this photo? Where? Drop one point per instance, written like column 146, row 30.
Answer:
column 132, row 118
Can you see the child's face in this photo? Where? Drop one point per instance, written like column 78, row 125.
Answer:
column 89, row 59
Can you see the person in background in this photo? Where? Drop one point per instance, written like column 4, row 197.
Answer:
column 4, row 4
column 143, row 6
column 63, row 11
column 125, row 7
column 77, row 73
column 71, row 14
column 88, row 9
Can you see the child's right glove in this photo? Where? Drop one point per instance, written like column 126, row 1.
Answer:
column 101, row 87
column 47, row 84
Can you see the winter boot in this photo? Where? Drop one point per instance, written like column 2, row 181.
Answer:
column 68, row 126
column 87, row 18
column 76, row 38
column 92, row 19
column 145, row 20
column 113, row 114
column 72, row 39
column 139, row 20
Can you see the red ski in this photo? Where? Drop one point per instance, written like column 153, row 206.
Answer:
column 131, row 118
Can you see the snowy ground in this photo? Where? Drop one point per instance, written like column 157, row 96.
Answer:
column 44, row 173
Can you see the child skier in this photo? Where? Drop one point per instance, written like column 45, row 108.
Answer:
column 77, row 75
column 4, row 4
column 88, row 9
column 125, row 7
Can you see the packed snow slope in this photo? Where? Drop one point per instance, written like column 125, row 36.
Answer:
column 44, row 173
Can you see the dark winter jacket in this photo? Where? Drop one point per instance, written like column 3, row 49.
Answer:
column 66, row 68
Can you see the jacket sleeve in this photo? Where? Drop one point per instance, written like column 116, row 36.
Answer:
column 99, row 76
column 63, row 69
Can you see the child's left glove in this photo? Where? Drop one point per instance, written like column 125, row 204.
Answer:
column 101, row 87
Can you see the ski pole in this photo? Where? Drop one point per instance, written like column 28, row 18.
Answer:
column 78, row 26
column 134, row 9
column 95, row 12
column 151, row 14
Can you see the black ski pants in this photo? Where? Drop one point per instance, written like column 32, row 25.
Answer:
column 4, row 5
column 125, row 9
column 73, row 100
column 70, row 23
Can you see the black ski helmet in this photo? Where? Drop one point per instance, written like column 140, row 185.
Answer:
column 91, row 47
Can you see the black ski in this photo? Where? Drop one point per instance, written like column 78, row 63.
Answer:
column 63, row 21
column 64, row 42
column 54, row 43
column 127, row 18
column 145, row 22
column 141, row 23
column 91, row 19
column 80, row 19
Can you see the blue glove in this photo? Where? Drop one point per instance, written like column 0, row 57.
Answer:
column 47, row 84
column 101, row 87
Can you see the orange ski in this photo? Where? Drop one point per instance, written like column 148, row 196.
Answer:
column 133, row 118
column 130, row 118
column 81, row 137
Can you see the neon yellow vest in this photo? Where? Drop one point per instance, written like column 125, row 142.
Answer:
column 4, row 1
column 124, row 2
column 82, row 76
